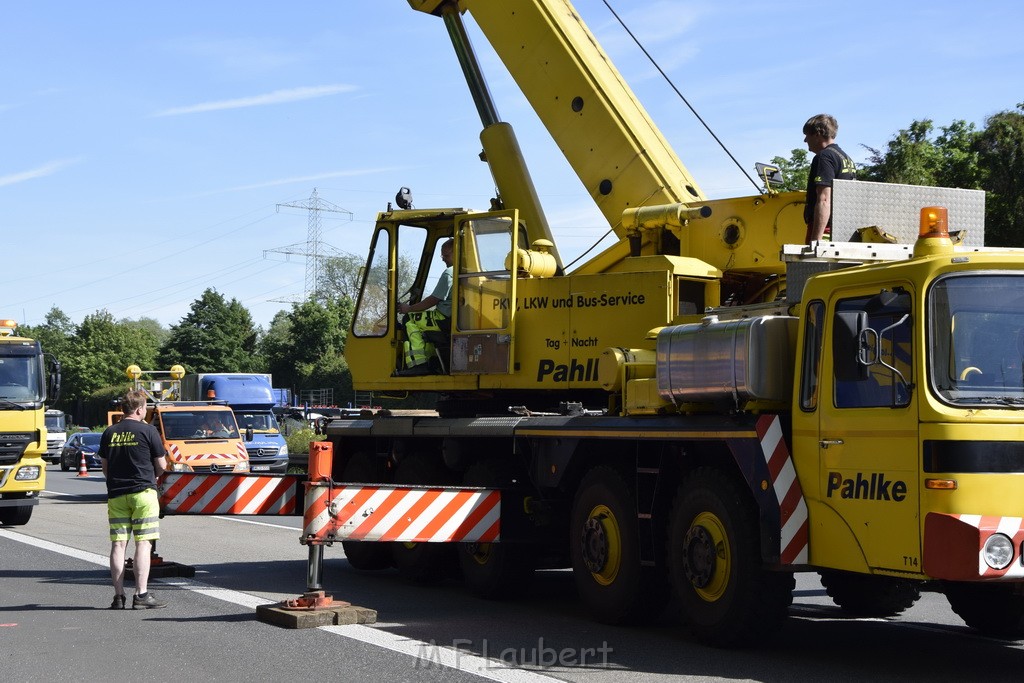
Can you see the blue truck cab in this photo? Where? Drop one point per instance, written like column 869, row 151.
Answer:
column 251, row 398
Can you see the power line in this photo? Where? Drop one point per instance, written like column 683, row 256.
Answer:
column 314, row 249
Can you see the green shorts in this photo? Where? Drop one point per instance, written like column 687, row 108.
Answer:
column 138, row 511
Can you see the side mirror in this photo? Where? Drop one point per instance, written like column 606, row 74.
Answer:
column 53, row 381
column 248, row 433
column 770, row 175
column 848, row 354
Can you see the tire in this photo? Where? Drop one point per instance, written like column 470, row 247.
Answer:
column 15, row 516
column 362, row 467
column 994, row 609
column 422, row 562
column 726, row 597
column 494, row 570
column 64, row 467
column 604, row 545
column 861, row 595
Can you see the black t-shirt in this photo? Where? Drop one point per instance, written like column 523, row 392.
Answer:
column 827, row 165
column 129, row 447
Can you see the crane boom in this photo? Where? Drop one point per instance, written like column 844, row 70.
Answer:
column 598, row 123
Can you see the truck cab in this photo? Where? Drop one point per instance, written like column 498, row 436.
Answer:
column 906, row 419
column 28, row 378
column 56, row 434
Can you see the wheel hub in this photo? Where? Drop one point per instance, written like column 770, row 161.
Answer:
column 595, row 545
column 699, row 556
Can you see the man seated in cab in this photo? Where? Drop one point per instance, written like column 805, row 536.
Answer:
column 426, row 315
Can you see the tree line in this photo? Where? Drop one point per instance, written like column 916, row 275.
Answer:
column 303, row 348
column 958, row 155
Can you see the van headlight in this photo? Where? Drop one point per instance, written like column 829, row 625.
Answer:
column 284, row 450
column 998, row 551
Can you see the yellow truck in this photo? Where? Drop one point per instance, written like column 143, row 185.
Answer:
column 28, row 379
column 199, row 436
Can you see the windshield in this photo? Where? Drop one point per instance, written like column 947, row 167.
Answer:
column 977, row 339
column 260, row 422
column 91, row 440
column 56, row 423
column 19, row 378
column 199, row 425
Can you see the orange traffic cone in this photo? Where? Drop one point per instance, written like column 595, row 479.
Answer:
column 83, row 469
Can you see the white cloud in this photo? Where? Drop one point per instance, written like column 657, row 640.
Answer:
column 39, row 172
column 276, row 97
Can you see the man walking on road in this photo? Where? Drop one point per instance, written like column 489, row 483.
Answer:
column 133, row 456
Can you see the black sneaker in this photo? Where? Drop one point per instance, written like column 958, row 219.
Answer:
column 118, row 603
column 147, row 601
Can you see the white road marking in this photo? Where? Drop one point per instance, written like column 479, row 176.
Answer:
column 428, row 654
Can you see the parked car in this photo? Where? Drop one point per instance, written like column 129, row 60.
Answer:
column 77, row 444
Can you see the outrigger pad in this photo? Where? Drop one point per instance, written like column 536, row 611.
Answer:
column 324, row 616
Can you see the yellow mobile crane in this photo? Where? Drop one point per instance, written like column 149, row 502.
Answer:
column 703, row 409
column 28, row 379
column 708, row 405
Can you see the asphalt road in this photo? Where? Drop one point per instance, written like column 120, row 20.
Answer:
column 54, row 625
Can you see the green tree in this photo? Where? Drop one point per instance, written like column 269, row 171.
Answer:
column 915, row 156
column 55, row 334
column 304, row 348
column 341, row 279
column 794, row 170
column 160, row 333
column 215, row 336
column 911, row 157
column 103, row 349
column 276, row 348
column 1000, row 148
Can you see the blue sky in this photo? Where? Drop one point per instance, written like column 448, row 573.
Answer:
column 145, row 148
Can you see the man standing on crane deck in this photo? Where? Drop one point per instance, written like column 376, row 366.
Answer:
column 830, row 162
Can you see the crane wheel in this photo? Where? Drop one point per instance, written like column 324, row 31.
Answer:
column 994, row 609
column 604, row 546
column 714, row 562
column 495, row 570
column 863, row 595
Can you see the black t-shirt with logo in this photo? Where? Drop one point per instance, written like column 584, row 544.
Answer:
column 129, row 447
column 827, row 165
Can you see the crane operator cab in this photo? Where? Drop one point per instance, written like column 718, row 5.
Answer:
column 402, row 326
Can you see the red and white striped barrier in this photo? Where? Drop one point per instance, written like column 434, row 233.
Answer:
column 175, row 455
column 402, row 513
column 792, row 508
column 187, row 493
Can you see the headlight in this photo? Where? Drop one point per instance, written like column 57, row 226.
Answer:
column 242, row 466
column 998, row 551
column 180, row 467
column 30, row 473
column 284, row 450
